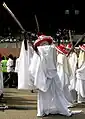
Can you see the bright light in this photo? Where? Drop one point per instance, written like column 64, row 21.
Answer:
column 66, row 11
column 77, row 12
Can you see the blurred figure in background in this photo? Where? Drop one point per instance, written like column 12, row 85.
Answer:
column 10, row 70
column 4, row 68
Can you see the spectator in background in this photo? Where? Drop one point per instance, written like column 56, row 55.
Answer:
column 10, row 63
column 10, row 70
column 4, row 68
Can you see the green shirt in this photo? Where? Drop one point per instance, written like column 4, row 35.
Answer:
column 4, row 65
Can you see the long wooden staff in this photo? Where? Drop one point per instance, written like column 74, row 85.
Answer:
column 13, row 16
column 70, row 38
column 37, row 23
column 17, row 21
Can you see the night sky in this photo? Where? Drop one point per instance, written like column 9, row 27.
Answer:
column 50, row 15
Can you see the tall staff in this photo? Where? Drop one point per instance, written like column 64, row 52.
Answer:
column 13, row 16
column 17, row 21
column 37, row 23
column 80, row 39
column 70, row 37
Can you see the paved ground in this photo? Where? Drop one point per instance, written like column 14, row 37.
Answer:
column 23, row 106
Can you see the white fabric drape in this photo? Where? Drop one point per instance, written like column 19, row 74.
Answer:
column 50, row 95
column 80, row 86
column 23, row 67
column 64, row 72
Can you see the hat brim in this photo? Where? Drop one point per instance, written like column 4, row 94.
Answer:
column 62, row 45
column 61, row 51
column 82, row 48
column 46, row 39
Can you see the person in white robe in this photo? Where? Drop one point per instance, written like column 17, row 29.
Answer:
column 80, row 74
column 10, row 71
column 51, row 99
column 64, row 72
column 17, row 65
column 23, row 65
column 73, row 60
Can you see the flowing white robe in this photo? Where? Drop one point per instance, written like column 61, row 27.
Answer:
column 73, row 64
column 23, row 67
column 81, row 58
column 17, row 65
column 80, row 86
column 50, row 94
column 64, row 72
column 1, row 80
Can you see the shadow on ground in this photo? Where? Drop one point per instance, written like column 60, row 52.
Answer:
column 76, row 116
column 17, row 102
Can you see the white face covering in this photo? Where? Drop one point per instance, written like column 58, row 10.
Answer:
column 44, row 43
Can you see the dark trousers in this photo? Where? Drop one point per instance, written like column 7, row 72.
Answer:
column 5, row 77
column 15, row 79
column 9, row 80
column 12, row 80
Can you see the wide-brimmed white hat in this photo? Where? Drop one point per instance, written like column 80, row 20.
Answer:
column 82, row 47
column 42, row 39
column 61, row 50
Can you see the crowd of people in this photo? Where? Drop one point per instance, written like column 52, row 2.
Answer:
column 8, row 71
column 57, row 75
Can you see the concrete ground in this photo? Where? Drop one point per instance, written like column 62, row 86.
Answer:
column 23, row 105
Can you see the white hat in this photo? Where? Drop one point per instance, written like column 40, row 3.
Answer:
column 43, row 38
column 82, row 47
column 61, row 50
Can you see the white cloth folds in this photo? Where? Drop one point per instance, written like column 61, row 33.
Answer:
column 23, row 67
column 80, row 86
column 64, row 72
column 73, row 65
column 43, row 69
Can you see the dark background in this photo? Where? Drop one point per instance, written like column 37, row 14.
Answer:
column 50, row 14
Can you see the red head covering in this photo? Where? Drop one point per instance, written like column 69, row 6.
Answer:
column 43, row 38
column 69, row 46
column 62, row 45
column 62, row 50
column 82, row 47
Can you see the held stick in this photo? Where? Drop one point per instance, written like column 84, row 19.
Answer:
column 13, row 16
column 70, row 38
column 19, row 24
column 37, row 23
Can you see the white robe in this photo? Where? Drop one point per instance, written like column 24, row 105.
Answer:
column 80, row 86
column 73, row 64
column 17, row 65
column 23, row 67
column 64, row 72
column 50, row 94
column 81, row 58
column 1, row 80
